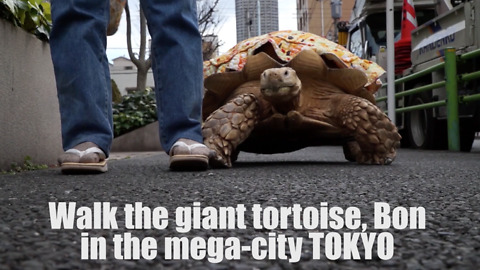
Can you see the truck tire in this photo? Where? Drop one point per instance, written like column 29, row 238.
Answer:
column 424, row 131
column 467, row 135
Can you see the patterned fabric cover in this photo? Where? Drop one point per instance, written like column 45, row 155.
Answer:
column 287, row 44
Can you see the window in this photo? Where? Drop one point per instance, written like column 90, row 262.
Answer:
column 377, row 24
column 355, row 45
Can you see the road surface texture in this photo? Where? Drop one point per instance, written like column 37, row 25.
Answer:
column 445, row 184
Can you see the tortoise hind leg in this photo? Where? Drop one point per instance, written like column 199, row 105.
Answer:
column 376, row 137
column 229, row 126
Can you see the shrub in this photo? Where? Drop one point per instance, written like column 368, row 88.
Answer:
column 32, row 15
column 135, row 110
column 116, row 95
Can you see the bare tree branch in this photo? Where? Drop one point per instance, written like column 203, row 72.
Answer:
column 143, row 40
column 142, row 64
column 208, row 22
column 129, row 35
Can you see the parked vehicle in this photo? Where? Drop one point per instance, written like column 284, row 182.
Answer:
column 442, row 24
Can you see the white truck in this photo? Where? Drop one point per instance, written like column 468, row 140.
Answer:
column 442, row 24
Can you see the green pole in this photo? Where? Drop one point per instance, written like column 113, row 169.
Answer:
column 452, row 99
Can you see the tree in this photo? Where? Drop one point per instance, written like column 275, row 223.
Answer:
column 208, row 24
column 143, row 64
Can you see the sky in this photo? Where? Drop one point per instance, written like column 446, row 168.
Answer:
column 117, row 44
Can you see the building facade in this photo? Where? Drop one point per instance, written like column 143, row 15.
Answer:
column 124, row 73
column 315, row 16
column 246, row 13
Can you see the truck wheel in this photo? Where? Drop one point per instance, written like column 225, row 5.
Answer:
column 467, row 135
column 424, row 131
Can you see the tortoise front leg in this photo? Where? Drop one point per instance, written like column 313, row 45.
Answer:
column 376, row 137
column 229, row 126
column 351, row 150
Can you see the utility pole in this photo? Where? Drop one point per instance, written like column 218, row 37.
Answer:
column 258, row 18
column 323, row 21
column 390, row 62
column 336, row 6
column 248, row 23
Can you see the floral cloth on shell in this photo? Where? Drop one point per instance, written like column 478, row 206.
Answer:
column 287, row 44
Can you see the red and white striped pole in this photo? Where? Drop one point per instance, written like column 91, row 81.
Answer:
column 409, row 19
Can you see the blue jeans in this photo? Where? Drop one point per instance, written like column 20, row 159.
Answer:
column 78, row 42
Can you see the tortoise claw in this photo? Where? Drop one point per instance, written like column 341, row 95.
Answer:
column 216, row 161
column 388, row 161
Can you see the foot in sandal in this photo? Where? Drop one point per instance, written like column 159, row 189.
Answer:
column 83, row 158
column 189, row 155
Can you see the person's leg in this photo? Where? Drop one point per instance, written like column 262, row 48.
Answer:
column 177, row 67
column 78, row 42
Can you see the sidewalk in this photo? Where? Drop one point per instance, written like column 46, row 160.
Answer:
column 128, row 155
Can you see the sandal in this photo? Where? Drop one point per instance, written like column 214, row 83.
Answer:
column 188, row 155
column 91, row 160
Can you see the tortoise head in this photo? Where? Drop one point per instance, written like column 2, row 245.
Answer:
column 280, row 86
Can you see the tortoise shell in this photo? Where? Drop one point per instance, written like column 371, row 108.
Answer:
column 283, row 46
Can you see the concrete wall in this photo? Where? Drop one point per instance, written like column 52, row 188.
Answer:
column 29, row 114
column 141, row 139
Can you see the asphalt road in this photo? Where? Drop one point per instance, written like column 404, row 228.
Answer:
column 446, row 185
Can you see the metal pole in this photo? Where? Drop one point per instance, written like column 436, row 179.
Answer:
column 390, row 62
column 259, row 20
column 323, row 21
column 452, row 99
column 248, row 24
